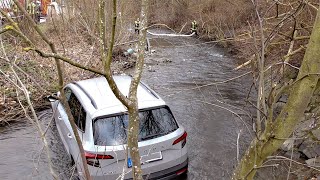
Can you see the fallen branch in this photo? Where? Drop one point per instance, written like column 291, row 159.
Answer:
column 281, row 158
column 244, row 64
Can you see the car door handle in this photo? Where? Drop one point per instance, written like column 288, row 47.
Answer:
column 69, row 136
column 60, row 118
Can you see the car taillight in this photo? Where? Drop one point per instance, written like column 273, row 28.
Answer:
column 93, row 159
column 181, row 171
column 97, row 156
column 182, row 138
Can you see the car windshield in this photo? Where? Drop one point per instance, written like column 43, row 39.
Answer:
column 111, row 131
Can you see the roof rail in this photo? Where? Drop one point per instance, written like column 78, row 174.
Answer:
column 148, row 89
column 87, row 94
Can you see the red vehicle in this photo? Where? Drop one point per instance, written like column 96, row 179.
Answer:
column 8, row 5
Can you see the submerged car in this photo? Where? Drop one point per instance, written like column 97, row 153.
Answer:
column 102, row 123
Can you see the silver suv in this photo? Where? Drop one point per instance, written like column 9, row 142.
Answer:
column 102, row 123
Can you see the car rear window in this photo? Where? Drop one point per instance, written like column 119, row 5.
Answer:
column 111, row 131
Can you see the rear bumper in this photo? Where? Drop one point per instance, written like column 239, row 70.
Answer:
column 169, row 173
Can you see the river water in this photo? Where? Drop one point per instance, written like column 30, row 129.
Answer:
column 180, row 70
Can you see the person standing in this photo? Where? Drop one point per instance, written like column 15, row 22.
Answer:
column 38, row 11
column 194, row 27
column 31, row 8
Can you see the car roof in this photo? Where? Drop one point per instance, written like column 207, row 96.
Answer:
column 101, row 97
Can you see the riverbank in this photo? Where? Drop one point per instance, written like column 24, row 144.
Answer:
column 39, row 74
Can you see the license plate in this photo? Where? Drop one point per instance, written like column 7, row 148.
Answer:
column 129, row 163
column 147, row 158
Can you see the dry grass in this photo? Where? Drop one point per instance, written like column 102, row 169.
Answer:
column 72, row 40
column 237, row 19
column 216, row 19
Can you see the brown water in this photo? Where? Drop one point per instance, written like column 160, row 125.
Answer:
column 176, row 69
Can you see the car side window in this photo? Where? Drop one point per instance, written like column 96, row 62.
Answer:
column 77, row 111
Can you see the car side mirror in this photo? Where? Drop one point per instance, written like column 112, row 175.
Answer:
column 52, row 98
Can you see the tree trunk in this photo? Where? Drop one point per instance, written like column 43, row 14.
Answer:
column 133, row 107
column 131, row 101
column 291, row 114
column 133, row 141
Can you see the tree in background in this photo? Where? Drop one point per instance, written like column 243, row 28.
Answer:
column 273, row 129
column 106, row 55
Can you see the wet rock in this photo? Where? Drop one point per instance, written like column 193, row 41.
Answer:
column 305, row 126
column 283, row 98
column 167, row 61
column 313, row 162
column 294, row 154
column 298, row 142
column 316, row 133
column 309, row 152
column 151, row 69
column 287, row 145
column 310, row 149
